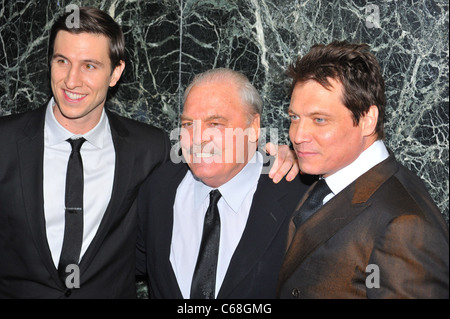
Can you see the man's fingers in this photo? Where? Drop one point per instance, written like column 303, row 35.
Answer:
column 272, row 149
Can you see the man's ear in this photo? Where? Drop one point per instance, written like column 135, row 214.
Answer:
column 369, row 121
column 254, row 129
column 117, row 73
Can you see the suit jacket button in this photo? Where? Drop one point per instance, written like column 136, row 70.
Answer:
column 295, row 293
column 68, row 293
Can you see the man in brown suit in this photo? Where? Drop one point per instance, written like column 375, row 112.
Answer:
column 378, row 233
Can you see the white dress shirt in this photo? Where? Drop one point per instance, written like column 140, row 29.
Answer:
column 373, row 155
column 98, row 158
column 191, row 204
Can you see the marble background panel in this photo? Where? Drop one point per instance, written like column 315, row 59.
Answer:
column 169, row 41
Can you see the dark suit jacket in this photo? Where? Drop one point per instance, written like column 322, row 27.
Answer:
column 107, row 270
column 385, row 218
column 254, row 267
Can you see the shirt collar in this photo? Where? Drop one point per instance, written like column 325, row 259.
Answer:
column 244, row 181
column 56, row 133
column 374, row 154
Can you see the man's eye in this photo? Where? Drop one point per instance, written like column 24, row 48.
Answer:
column 319, row 120
column 293, row 117
column 186, row 124
column 90, row 67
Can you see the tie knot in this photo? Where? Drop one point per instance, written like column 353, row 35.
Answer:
column 312, row 203
column 76, row 143
column 320, row 191
column 214, row 197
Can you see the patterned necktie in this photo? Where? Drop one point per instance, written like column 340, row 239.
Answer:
column 312, row 203
column 73, row 231
column 204, row 279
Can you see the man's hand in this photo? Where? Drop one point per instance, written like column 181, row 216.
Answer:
column 285, row 162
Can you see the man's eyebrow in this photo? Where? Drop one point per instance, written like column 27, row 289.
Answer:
column 215, row 117
column 185, row 118
column 58, row 55
column 93, row 61
column 209, row 118
column 291, row 111
column 312, row 113
column 317, row 113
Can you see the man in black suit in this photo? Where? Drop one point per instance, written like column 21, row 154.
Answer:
column 379, row 233
column 219, row 134
column 117, row 156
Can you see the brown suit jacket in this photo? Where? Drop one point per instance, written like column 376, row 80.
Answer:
column 385, row 218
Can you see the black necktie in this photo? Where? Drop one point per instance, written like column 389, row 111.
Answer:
column 73, row 231
column 204, row 279
column 312, row 203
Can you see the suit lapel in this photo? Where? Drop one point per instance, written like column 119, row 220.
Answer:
column 124, row 150
column 319, row 228
column 162, row 224
column 332, row 217
column 266, row 217
column 31, row 165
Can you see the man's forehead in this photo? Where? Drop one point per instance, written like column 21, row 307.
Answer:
column 82, row 40
column 82, row 46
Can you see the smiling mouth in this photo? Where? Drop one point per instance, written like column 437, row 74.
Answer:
column 203, row 155
column 74, row 96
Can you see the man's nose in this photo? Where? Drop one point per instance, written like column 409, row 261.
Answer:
column 301, row 133
column 73, row 78
column 197, row 132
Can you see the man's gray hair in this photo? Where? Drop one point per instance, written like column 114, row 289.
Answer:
column 249, row 94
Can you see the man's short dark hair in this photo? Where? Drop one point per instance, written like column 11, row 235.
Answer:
column 92, row 20
column 355, row 67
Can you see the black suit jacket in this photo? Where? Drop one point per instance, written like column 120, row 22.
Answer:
column 254, row 267
column 385, row 218
column 107, row 270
